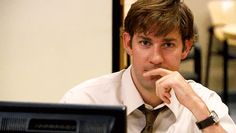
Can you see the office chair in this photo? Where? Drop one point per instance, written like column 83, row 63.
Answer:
column 222, row 13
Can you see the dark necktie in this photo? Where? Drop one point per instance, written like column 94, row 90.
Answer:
column 150, row 118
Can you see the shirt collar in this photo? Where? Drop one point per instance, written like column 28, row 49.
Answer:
column 132, row 99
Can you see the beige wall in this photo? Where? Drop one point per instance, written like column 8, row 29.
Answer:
column 49, row 46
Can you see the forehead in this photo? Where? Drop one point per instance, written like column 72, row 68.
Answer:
column 172, row 34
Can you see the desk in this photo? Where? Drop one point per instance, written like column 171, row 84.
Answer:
column 229, row 32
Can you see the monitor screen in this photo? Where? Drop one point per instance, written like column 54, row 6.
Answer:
column 29, row 117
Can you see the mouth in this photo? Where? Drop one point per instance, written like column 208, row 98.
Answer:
column 153, row 77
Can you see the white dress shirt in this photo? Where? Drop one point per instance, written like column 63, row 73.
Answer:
column 119, row 89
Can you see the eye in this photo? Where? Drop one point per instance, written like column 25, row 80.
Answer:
column 145, row 43
column 168, row 45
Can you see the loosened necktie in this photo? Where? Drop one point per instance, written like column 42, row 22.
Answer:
column 150, row 118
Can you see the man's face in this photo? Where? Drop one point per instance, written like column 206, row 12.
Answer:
column 149, row 52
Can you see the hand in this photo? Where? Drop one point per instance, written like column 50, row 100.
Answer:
column 184, row 93
column 173, row 80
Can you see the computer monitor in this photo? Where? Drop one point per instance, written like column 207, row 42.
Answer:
column 29, row 117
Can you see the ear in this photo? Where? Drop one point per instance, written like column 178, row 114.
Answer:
column 127, row 43
column 188, row 45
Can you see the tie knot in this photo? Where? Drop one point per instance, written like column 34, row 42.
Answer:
column 150, row 116
column 148, row 111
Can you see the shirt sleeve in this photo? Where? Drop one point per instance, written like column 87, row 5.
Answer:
column 76, row 96
column 214, row 102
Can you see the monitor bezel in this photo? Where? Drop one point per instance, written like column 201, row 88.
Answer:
column 118, row 112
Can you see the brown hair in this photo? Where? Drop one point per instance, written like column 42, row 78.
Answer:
column 159, row 17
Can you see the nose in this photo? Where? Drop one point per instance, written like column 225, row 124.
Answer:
column 156, row 57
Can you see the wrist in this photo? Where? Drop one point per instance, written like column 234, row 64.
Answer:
column 199, row 109
column 212, row 119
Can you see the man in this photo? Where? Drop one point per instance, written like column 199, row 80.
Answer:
column 158, row 34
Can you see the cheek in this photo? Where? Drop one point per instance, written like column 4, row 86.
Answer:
column 173, row 61
column 140, row 56
column 139, row 60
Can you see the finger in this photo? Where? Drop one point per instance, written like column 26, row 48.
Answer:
column 164, row 94
column 167, row 95
column 165, row 100
column 159, row 71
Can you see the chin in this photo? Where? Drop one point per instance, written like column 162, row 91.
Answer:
column 150, row 84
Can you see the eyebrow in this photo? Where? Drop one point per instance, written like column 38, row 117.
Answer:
column 144, row 37
column 169, row 39
column 166, row 39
